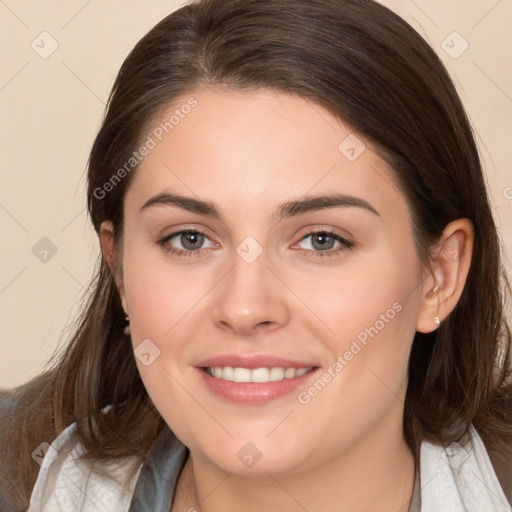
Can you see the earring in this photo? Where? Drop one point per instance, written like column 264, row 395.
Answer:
column 126, row 330
column 435, row 288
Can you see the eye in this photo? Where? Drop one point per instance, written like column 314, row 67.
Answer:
column 317, row 243
column 324, row 243
column 186, row 242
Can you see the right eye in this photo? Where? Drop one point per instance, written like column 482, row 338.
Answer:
column 185, row 243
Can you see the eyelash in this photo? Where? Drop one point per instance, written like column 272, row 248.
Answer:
column 346, row 244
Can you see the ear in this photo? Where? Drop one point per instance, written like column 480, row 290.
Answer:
column 108, row 250
column 443, row 286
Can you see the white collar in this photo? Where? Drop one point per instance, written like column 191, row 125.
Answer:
column 460, row 478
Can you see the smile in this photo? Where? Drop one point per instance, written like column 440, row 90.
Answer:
column 257, row 385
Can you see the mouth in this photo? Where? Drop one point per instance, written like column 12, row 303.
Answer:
column 254, row 380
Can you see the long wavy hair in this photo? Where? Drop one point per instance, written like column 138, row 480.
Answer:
column 367, row 66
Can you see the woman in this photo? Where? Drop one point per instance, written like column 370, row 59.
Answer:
column 298, row 304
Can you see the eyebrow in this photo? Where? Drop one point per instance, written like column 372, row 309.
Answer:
column 287, row 209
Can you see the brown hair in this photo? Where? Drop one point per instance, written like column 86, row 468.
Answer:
column 367, row 66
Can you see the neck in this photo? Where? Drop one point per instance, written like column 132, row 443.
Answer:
column 377, row 473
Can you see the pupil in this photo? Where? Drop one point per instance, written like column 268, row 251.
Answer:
column 192, row 241
column 322, row 241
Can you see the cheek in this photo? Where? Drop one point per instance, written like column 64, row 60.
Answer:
column 371, row 296
column 160, row 296
column 368, row 318
column 365, row 378
column 164, row 303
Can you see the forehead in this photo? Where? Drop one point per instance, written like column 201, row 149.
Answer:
column 243, row 149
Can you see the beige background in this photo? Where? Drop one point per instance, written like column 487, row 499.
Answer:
column 51, row 109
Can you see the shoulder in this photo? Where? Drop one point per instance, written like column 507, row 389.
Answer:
column 503, row 468
column 26, row 419
column 68, row 481
column 7, row 501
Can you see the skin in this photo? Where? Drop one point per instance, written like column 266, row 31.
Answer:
column 248, row 152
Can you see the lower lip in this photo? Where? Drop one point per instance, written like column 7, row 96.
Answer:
column 254, row 393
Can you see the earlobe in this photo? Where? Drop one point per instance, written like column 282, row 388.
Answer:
column 450, row 263
column 108, row 250
column 428, row 316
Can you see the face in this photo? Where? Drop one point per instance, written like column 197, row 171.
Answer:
column 286, row 267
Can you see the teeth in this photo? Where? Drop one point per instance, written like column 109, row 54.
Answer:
column 227, row 373
column 276, row 374
column 289, row 373
column 256, row 374
column 260, row 375
column 239, row 374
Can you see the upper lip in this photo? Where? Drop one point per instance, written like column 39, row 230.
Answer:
column 254, row 361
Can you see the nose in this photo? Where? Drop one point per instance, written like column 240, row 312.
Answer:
column 250, row 299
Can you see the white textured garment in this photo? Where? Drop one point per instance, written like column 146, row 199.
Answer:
column 66, row 484
column 456, row 479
